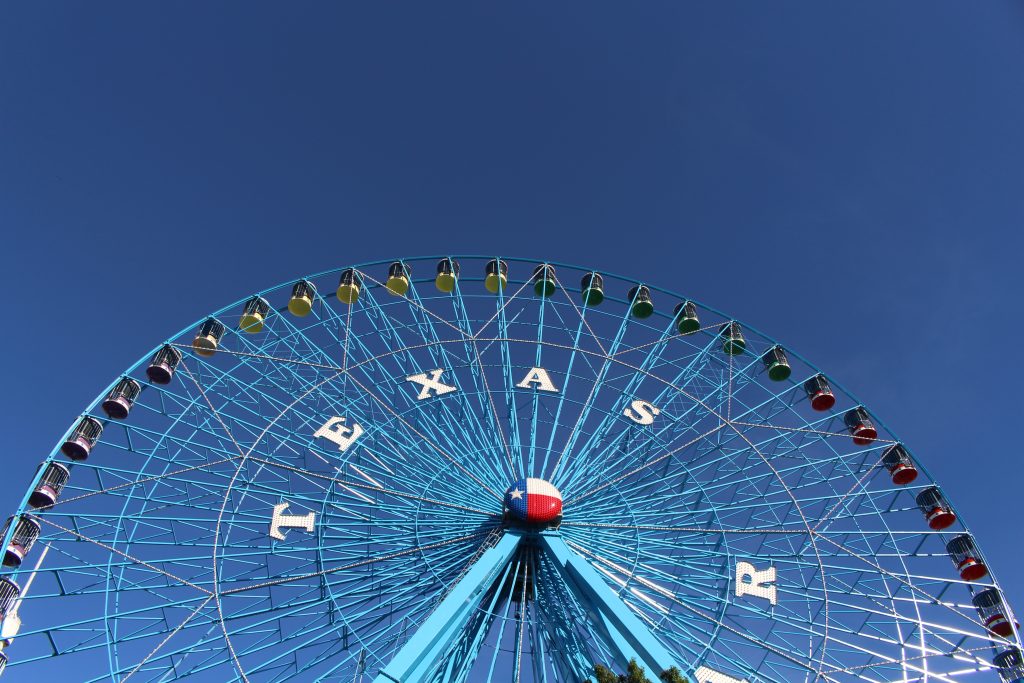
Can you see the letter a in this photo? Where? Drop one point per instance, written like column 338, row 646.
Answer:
column 336, row 431
column 641, row 412
column 431, row 382
column 538, row 376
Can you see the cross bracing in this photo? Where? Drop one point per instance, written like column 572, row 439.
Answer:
column 159, row 562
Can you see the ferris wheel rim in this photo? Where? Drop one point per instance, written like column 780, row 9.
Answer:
column 91, row 410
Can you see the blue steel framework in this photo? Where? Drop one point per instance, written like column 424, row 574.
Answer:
column 157, row 564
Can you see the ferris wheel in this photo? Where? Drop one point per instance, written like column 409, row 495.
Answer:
column 485, row 469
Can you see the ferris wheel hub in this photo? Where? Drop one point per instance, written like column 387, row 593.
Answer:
column 533, row 501
column 699, row 455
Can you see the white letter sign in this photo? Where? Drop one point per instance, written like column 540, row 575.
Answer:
column 336, row 431
column 282, row 521
column 760, row 584
column 706, row 675
column 641, row 412
column 431, row 382
column 538, row 376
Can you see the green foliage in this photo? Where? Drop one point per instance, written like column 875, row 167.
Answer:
column 604, row 674
column 674, row 675
column 635, row 674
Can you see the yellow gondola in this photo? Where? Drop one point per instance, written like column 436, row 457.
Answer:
column 447, row 275
column 398, row 278
column 348, row 286
column 253, row 315
column 496, row 276
column 208, row 338
column 303, row 296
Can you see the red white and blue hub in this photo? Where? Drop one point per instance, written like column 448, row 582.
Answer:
column 533, row 501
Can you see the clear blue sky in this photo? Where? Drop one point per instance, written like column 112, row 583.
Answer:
column 844, row 176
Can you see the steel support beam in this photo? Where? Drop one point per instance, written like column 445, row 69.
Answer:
column 626, row 632
column 434, row 637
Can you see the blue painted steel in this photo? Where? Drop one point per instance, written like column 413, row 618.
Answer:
column 416, row 660
column 632, row 637
column 159, row 563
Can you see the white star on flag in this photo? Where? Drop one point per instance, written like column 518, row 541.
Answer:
column 516, row 494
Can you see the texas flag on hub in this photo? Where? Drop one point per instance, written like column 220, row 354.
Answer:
column 534, row 501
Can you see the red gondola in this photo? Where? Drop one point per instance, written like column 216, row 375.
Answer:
column 900, row 465
column 819, row 393
column 967, row 558
column 994, row 612
column 936, row 510
column 860, row 426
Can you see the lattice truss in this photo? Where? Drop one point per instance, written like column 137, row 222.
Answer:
column 157, row 561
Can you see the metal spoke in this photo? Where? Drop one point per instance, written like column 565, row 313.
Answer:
column 224, row 532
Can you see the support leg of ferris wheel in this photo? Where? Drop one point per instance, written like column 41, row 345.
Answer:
column 416, row 659
column 626, row 632
column 621, row 628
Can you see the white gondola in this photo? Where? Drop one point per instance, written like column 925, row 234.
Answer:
column 84, row 436
column 26, row 532
column 121, row 398
column 47, row 491
column 162, row 366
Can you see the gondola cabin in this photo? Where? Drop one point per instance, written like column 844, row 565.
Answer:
column 1010, row 664
column 398, row 278
column 965, row 555
column 254, row 314
column 733, row 342
column 544, row 280
column 447, row 275
column 495, row 276
column 592, row 289
column 121, row 398
column 84, row 436
column 687, row 321
column 936, row 510
column 47, row 491
column 776, row 364
column 900, row 465
column 860, row 426
column 349, row 284
column 208, row 337
column 641, row 304
column 161, row 367
column 994, row 613
column 819, row 393
column 9, row 594
column 301, row 302
column 26, row 532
